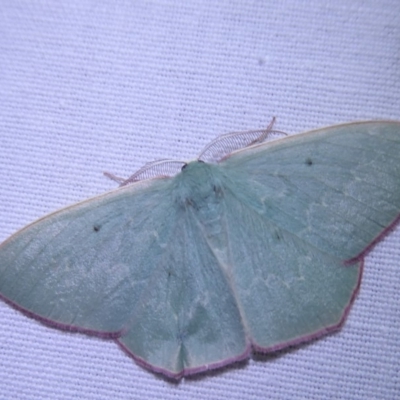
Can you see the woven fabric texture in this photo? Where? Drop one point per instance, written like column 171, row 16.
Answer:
column 91, row 86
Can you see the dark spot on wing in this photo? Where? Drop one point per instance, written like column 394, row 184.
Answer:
column 96, row 227
column 189, row 202
column 218, row 191
column 309, row 162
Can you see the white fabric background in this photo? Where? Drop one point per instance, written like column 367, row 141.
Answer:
column 88, row 86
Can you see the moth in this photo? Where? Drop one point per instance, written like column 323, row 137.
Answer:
column 258, row 250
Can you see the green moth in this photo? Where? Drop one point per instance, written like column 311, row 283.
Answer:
column 260, row 250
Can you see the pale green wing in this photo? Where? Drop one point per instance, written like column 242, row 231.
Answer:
column 188, row 320
column 337, row 188
column 132, row 264
column 84, row 267
column 288, row 291
column 295, row 211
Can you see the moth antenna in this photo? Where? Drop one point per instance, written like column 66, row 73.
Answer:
column 154, row 169
column 113, row 177
column 224, row 145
